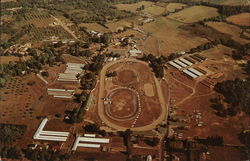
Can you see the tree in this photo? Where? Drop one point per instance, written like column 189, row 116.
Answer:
column 2, row 82
column 89, row 75
column 152, row 141
column 105, row 39
column 92, row 128
column 15, row 153
column 82, row 98
column 45, row 73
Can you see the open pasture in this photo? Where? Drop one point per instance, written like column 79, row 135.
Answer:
column 242, row 19
column 232, row 30
column 95, row 27
column 171, row 7
column 154, row 10
column 134, row 6
column 194, row 14
column 167, row 37
column 120, row 24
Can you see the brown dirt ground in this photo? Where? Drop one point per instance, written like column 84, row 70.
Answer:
column 71, row 59
column 85, row 156
column 139, row 151
column 60, row 125
column 53, row 72
column 126, row 76
column 213, row 124
column 123, row 103
column 226, row 154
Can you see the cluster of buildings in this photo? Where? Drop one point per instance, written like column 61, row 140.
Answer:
column 18, row 49
column 86, row 141
column 147, row 18
column 184, row 65
column 49, row 135
column 71, row 72
column 89, row 141
column 198, row 118
column 109, row 59
column 95, row 33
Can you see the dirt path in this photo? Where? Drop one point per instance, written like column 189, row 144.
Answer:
column 101, row 111
column 189, row 96
column 65, row 27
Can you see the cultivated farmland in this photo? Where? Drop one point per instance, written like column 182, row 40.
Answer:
column 194, row 14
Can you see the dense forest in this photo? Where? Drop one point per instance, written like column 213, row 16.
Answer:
column 236, row 93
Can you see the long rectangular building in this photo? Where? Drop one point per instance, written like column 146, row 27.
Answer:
column 190, row 74
column 186, row 61
column 196, row 72
column 196, row 58
column 190, row 60
column 180, row 63
column 56, row 133
column 89, row 145
column 175, row 65
column 93, row 140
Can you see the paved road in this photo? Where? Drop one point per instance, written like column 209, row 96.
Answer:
column 101, row 111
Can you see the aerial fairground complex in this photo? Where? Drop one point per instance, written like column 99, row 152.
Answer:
column 125, row 80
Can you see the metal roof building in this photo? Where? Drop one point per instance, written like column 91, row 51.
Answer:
column 93, row 140
column 175, row 65
column 56, row 133
column 49, row 135
column 190, row 74
column 195, row 71
column 180, row 63
column 40, row 128
column 186, row 61
column 89, row 135
column 89, row 145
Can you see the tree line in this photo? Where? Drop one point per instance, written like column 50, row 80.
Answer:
column 224, row 10
column 157, row 63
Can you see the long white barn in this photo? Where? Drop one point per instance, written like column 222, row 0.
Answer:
column 41, row 134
